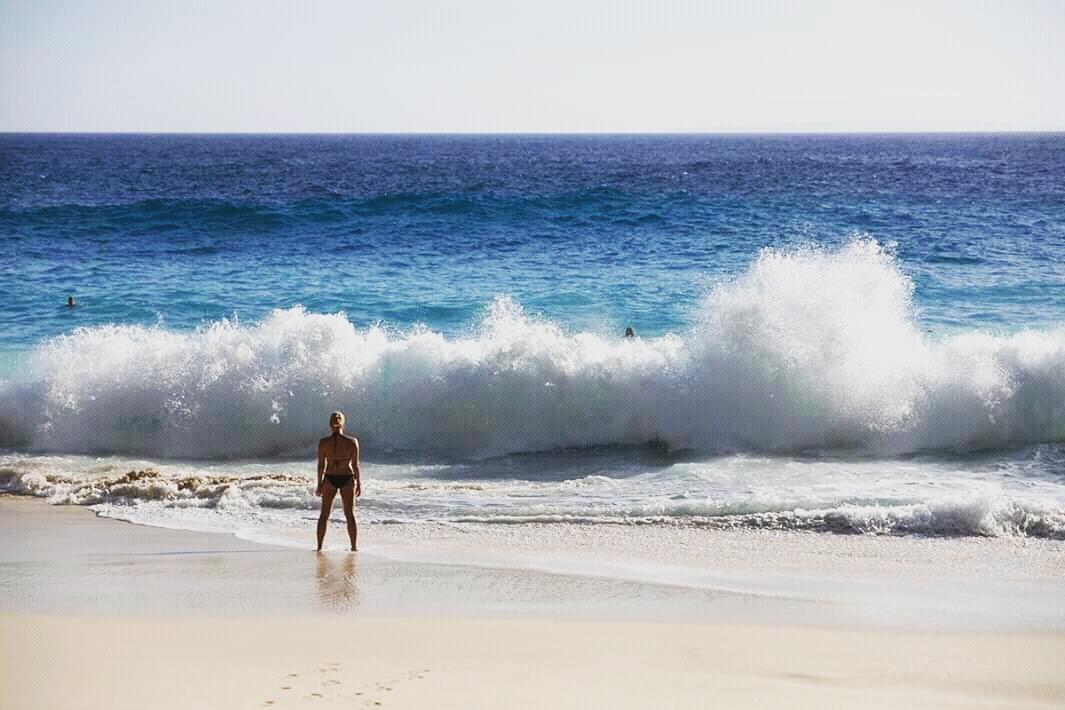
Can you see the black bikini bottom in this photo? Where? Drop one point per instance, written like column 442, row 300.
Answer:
column 339, row 480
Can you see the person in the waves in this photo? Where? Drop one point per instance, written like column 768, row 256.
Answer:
column 338, row 470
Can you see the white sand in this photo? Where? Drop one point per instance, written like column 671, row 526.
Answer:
column 183, row 663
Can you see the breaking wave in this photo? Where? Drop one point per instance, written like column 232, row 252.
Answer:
column 808, row 349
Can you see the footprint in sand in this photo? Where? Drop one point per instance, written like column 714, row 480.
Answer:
column 331, row 682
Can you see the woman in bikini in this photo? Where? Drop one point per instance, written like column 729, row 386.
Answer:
column 338, row 470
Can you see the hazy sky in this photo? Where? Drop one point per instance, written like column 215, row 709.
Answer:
column 546, row 65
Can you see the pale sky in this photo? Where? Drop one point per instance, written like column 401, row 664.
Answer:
column 545, row 66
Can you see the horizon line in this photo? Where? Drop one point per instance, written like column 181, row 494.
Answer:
column 1039, row 131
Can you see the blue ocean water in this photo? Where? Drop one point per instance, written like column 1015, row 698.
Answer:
column 835, row 332
column 593, row 232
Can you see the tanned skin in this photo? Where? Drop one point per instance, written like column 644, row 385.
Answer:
column 338, row 454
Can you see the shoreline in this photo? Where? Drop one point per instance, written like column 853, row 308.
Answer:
column 118, row 606
column 546, row 571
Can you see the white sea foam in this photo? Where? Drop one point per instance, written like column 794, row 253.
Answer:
column 1000, row 498
column 808, row 349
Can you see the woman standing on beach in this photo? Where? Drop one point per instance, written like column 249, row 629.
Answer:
column 338, row 470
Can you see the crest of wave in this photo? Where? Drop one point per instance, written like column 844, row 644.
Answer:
column 807, row 348
column 815, row 348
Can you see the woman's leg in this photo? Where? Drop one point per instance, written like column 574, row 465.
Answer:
column 347, row 497
column 329, row 492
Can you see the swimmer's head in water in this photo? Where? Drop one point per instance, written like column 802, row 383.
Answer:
column 336, row 420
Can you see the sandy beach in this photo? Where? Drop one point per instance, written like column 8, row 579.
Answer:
column 462, row 662
column 135, row 617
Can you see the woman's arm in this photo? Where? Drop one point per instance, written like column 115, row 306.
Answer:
column 321, row 470
column 355, row 466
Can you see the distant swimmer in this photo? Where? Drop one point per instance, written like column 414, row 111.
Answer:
column 338, row 470
column 71, row 302
column 630, row 333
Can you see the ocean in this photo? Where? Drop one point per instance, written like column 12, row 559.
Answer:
column 853, row 334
